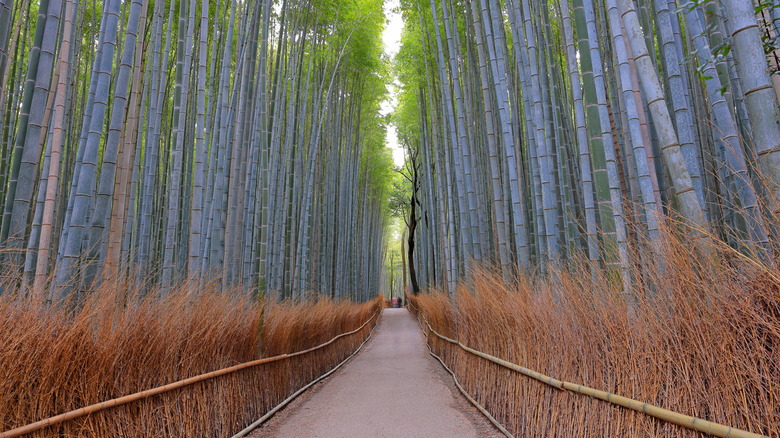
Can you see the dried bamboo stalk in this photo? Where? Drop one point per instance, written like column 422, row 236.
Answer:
column 677, row 418
column 97, row 407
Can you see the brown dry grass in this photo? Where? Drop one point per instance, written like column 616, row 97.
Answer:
column 705, row 343
column 52, row 362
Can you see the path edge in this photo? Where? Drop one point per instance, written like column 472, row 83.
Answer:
column 246, row 431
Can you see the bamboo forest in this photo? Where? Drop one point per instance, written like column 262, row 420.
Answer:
column 207, row 206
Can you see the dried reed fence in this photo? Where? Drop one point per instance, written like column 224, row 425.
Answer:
column 51, row 362
column 704, row 344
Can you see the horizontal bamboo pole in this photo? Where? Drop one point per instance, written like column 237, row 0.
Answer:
column 97, row 407
column 462, row 390
column 660, row 413
column 286, row 401
column 520, row 369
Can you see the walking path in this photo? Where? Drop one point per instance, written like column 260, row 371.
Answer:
column 393, row 388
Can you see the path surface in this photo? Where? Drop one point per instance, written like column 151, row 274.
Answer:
column 392, row 388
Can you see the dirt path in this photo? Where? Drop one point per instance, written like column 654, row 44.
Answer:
column 393, row 388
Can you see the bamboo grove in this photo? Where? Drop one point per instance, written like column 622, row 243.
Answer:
column 546, row 132
column 162, row 142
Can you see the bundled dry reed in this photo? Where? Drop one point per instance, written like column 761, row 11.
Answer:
column 53, row 361
column 703, row 340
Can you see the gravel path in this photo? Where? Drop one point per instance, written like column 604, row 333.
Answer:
column 393, row 388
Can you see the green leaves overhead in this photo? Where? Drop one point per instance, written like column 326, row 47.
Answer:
column 202, row 140
column 547, row 131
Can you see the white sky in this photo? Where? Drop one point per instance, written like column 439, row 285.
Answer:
column 392, row 40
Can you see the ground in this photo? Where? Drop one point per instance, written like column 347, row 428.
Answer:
column 393, row 388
